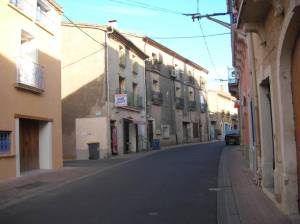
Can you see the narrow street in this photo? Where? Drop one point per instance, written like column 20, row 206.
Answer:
column 172, row 186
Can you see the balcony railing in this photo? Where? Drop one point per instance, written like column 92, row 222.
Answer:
column 24, row 5
column 44, row 18
column 157, row 98
column 133, row 100
column 192, row 105
column 30, row 75
column 179, row 102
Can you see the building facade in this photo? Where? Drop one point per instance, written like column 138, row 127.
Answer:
column 176, row 95
column 271, row 42
column 222, row 113
column 30, row 123
column 103, row 92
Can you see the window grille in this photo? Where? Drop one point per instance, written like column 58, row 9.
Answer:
column 4, row 142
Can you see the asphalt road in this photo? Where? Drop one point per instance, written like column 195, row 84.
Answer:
column 169, row 187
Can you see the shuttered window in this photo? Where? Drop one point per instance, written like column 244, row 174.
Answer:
column 4, row 142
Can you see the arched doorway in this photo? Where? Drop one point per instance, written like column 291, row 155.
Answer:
column 296, row 103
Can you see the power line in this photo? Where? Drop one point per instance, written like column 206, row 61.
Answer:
column 83, row 30
column 207, row 48
column 146, row 6
column 192, row 37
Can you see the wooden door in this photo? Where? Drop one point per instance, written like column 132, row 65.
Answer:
column 29, row 144
column 296, row 102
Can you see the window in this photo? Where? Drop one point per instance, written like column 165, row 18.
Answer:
column 191, row 94
column 160, row 58
column 135, row 68
column 43, row 14
column 121, row 85
column 154, row 58
column 165, row 131
column 4, row 142
column 122, row 57
column 155, row 85
column 29, row 73
column 177, row 90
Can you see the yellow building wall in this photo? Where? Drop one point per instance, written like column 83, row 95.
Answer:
column 16, row 101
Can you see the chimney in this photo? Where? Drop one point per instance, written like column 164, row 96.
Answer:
column 112, row 24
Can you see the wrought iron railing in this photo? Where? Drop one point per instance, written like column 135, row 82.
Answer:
column 44, row 18
column 192, row 105
column 29, row 74
column 157, row 98
column 179, row 102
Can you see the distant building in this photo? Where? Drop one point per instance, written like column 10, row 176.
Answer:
column 30, row 122
column 103, row 92
column 176, row 95
column 223, row 116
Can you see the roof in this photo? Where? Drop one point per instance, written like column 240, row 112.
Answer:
column 173, row 53
column 128, row 43
column 114, row 34
column 56, row 6
column 163, row 48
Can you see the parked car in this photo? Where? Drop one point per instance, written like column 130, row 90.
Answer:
column 232, row 137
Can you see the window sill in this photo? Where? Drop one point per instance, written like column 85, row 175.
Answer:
column 29, row 88
column 4, row 156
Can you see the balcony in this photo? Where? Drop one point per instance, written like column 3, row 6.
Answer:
column 179, row 103
column 24, row 5
column 30, row 75
column 203, row 107
column 134, row 101
column 233, row 84
column 157, row 98
column 44, row 19
column 192, row 105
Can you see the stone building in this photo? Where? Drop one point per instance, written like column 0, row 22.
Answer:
column 103, row 92
column 176, row 95
column 30, row 122
column 271, row 44
column 222, row 114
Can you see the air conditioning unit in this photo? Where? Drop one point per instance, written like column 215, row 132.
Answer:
column 173, row 74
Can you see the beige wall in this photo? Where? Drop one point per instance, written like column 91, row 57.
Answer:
column 45, row 105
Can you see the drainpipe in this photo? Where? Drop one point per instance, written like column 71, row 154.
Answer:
column 256, row 107
column 107, row 92
column 173, row 102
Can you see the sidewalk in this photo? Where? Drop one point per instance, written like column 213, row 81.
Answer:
column 239, row 199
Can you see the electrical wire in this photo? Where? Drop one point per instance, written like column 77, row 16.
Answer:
column 207, row 48
column 146, row 6
column 192, row 37
column 79, row 28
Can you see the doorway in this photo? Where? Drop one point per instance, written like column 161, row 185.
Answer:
column 150, row 133
column 185, row 132
column 126, row 136
column 113, row 138
column 29, row 144
column 268, row 154
column 296, row 104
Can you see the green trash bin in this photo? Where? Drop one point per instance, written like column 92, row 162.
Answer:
column 94, row 150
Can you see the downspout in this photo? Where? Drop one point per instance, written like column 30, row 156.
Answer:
column 107, row 94
column 146, row 97
column 173, row 101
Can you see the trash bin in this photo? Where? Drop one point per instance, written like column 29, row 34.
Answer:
column 94, row 150
column 155, row 144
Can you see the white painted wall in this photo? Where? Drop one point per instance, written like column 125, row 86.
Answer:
column 45, row 145
column 90, row 130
